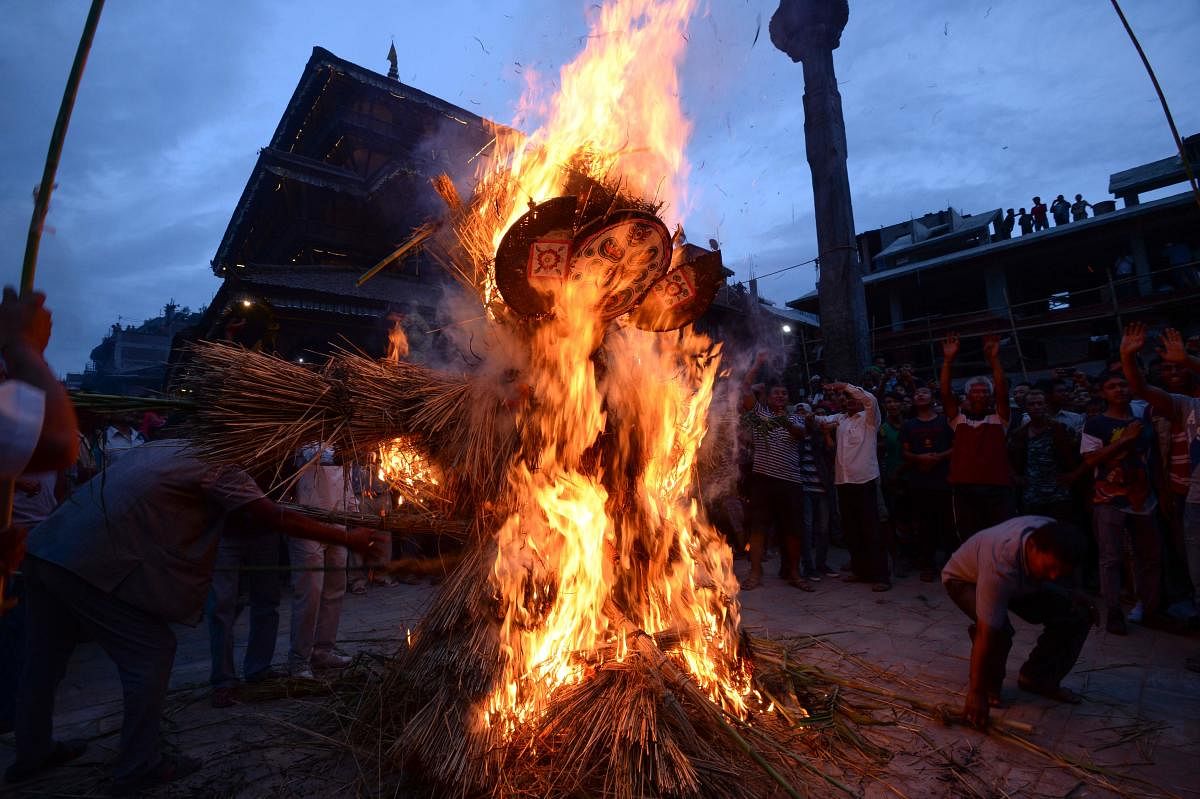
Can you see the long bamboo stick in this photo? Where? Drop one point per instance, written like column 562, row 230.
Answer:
column 42, row 204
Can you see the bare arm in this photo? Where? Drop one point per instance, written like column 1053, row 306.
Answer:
column 748, row 397
column 985, row 649
column 991, row 350
column 24, row 333
column 949, row 353
column 1127, row 440
column 265, row 513
column 1131, row 344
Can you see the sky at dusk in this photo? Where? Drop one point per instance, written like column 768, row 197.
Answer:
column 976, row 105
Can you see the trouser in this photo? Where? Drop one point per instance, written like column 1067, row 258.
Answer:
column 859, row 504
column 13, row 629
column 1109, row 524
column 776, row 503
column 933, row 523
column 816, row 532
column 1064, row 631
column 977, row 507
column 65, row 609
column 1191, row 543
column 318, row 586
column 234, row 552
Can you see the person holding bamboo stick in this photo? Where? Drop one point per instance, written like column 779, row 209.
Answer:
column 130, row 553
column 38, row 429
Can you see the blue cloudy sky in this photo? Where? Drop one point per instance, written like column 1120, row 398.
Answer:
column 977, row 104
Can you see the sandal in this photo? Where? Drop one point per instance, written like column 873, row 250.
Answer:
column 879, row 588
column 802, row 584
column 751, row 583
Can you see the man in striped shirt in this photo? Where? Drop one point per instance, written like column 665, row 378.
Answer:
column 776, row 484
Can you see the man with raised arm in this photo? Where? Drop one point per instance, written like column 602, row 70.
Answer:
column 1184, row 413
column 979, row 470
column 856, row 475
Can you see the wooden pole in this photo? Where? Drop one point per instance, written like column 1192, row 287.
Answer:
column 42, row 203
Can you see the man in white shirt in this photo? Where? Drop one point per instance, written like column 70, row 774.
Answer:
column 320, row 584
column 119, row 438
column 856, row 474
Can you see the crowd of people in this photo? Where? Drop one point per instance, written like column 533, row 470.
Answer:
column 1062, row 210
column 986, row 483
column 923, row 474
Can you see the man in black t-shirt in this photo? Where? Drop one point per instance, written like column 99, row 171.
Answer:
column 926, row 440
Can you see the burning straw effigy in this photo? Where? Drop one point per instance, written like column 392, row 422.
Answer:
column 588, row 641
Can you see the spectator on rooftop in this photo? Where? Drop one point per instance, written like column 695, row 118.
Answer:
column 1061, row 209
column 1079, row 208
column 1038, row 212
column 979, row 470
column 1004, row 227
column 1026, row 222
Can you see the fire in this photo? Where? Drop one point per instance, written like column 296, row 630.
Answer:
column 577, row 566
column 410, row 474
column 397, row 341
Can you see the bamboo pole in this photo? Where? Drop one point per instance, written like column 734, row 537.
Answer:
column 42, row 204
column 1162, row 99
column 1012, row 321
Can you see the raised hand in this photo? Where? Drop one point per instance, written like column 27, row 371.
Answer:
column 1173, row 349
column 950, row 347
column 23, row 321
column 1134, row 339
column 991, row 347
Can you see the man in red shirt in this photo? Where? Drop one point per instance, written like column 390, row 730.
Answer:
column 1040, row 222
column 979, row 471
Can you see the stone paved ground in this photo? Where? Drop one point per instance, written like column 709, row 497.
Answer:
column 1136, row 688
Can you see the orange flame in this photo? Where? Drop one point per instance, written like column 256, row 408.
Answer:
column 573, row 563
column 410, row 474
column 397, row 341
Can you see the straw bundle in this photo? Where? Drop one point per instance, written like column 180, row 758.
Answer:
column 258, row 410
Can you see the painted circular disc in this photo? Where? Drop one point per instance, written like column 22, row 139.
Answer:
column 626, row 252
